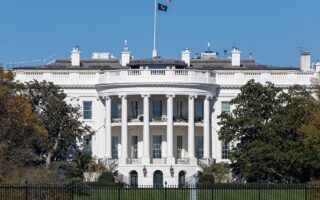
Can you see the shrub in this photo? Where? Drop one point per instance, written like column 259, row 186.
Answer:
column 106, row 177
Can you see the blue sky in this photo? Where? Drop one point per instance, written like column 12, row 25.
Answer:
column 273, row 31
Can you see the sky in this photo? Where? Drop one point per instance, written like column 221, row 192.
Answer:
column 272, row 31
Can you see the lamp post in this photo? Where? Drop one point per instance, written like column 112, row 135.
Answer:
column 171, row 171
column 144, row 171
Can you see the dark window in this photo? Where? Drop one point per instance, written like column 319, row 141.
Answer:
column 115, row 109
column 134, row 146
column 198, row 111
column 87, row 144
column 133, row 179
column 179, row 109
column 158, row 179
column 87, row 110
column 114, row 145
column 179, row 146
column 182, row 179
column 157, row 108
column 156, row 150
column 134, row 109
column 199, row 147
column 225, row 150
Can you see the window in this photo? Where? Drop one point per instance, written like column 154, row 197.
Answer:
column 115, row 109
column 198, row 111
column 134, row 109
column 199, row 146
column 114, row 141
column 225, row 107
column 134, row 147
column 134, row 179
column 179, row 110
column 157, row 108
column 87, row 144
column 179, row 146
column 182, row 179
column 87, row 110
column 225, row 150
column 156, row 150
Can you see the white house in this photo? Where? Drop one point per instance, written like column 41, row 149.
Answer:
column 156, row 119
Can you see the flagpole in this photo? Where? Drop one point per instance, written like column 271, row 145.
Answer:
column 154, row 52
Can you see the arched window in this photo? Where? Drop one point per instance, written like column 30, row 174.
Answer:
column 182, row 179
column 158, row 179
column 133, row 179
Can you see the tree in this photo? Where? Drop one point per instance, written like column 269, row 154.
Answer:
column 310, row 133
column 19, row 126
column 65, row 130
column 219, row 171
column 264, row 127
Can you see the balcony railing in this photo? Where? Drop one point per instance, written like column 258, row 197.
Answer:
column 157, row 76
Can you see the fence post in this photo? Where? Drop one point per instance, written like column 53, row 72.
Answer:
column 26, row 190
column 72, row 192
column 119, row 192
column 259, row 189
column 306, row 192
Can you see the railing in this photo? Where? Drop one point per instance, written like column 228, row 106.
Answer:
column 121, row 192
column 112, row 164
column 157, row 75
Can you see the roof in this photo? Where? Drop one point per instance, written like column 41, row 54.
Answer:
column 200, row 64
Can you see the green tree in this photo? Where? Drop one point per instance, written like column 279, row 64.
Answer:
column 264, row 126
column 65, row 130
column 310, row 133
column 219, row 171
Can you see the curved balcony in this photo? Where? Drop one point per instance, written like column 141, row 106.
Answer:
column 157, row 76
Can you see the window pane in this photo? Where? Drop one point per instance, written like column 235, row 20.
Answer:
column 225, row 150
column 199, row 147
column 134, row 146
column 156, row 150
column 225, row 106
column 114, row 109
column 87, row 110
column 87, row 145
column 198, row 111
column 157, row 108
column 179, row 146
column 114, row 141
column 134, row 109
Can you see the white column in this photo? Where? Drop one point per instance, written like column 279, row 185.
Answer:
column 170, row 157
column 108, row 128
column 191, row 143
column 124, row 130
column 146, row 130
column 206, row 127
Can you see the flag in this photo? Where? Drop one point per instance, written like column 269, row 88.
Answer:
column 169, row 1
column 162, row 7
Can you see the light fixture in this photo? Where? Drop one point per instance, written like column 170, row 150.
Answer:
column 144, row 171
column 171, row 171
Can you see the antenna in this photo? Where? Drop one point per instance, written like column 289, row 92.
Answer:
column 45, row 61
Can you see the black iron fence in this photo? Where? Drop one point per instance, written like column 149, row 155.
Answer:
column 117, row 192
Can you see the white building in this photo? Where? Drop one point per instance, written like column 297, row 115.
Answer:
column 156, row 119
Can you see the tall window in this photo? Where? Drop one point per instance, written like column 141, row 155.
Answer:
column 87, row 144
column 87, row 110
column 179, row 109
column 156, row 150
column 199, row 146
column 157, row 108
column 134, row 109
column 114, row 149
column 134, row 147
column 198, row 111
column 225, row 107
column 225, row 154
column 179, row 146
column 114, row 109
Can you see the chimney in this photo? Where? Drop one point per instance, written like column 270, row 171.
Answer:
column 318, row 66
column 75, row 57
column 235, row 57
column 125, row 55
column 186, row 56
column 305, row 61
